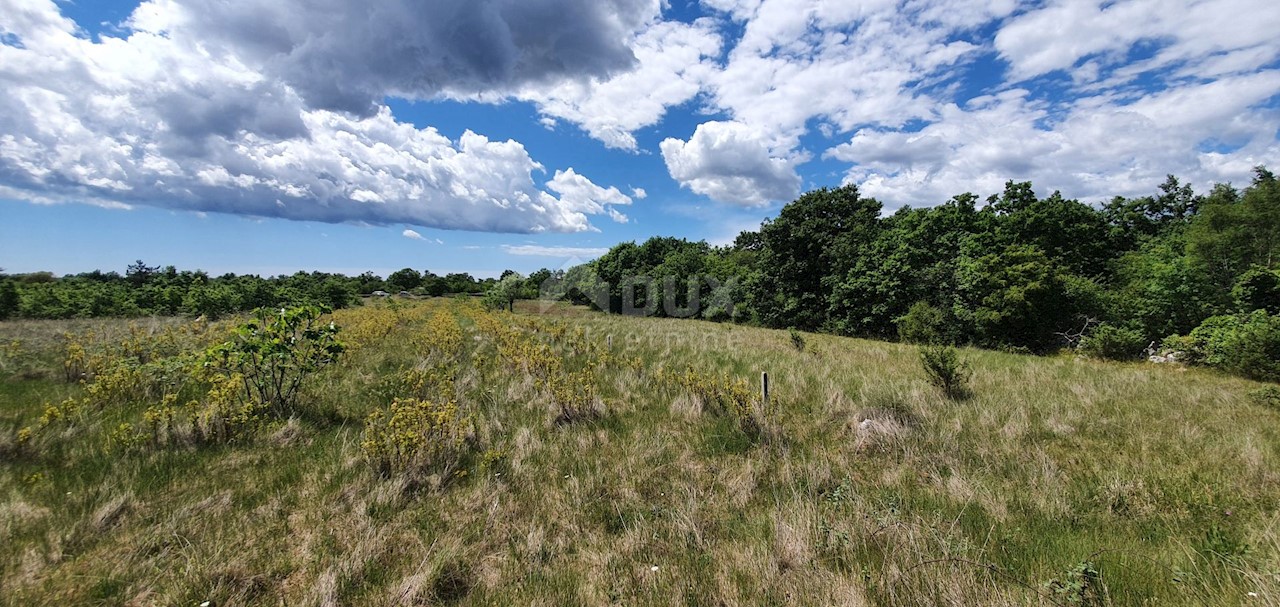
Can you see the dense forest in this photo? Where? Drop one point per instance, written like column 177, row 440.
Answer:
column 1020, row 272
column 1180, row 271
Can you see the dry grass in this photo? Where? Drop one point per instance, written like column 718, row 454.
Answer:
column 876, row 490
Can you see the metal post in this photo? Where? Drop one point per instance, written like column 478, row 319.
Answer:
column 608, row 340
column 764, row 387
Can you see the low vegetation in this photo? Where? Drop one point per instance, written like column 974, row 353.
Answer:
column 437, row 452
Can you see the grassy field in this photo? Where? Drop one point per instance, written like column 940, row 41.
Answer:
column 586, row 459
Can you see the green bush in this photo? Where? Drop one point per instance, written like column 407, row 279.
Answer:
column 1258, row 289
column 1267, row 397
column 1246, row 344
column 946, row 370
column 275, row 353
column 922, row 324
column 1113, row 343
column 9, row 299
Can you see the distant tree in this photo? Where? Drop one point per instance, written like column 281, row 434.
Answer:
column 404, row 280
column 1133, row 220
column 140, row 273
column 1072, row 234
column 912, row 259
column 533, row 284
column 1161, row 290
column 9, row 299
column 369, row 282
column 210, row 300
column 336, row 292
column 461, row 282
column 432, row 285
column 32, row 278
column 504, row 293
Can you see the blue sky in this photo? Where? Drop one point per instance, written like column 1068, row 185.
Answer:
column 269, row 136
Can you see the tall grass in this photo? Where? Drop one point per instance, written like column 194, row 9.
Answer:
column 1058, row 481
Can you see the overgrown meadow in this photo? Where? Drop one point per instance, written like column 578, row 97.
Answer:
column 433, row 452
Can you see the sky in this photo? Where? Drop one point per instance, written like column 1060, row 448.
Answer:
column 271, row 136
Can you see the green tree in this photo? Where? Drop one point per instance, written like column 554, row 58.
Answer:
column 432, row 285
column 503, row 294
column 1133, row 220
column 210, row 300
column 1161, row 290
column 913, row 259
column 369, row 282
column 1017, row 297
column 1236, row 231
column 1072, row 234
column 140, row 273
column 1258, row 289
column 9, row 299
column 405, row 279
column 806, row 250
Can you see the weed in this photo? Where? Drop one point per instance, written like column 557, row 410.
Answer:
column 1081, row 585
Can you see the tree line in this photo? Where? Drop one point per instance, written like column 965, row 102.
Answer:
column 1189, row 272
column 165, row 291
column 1017, row 272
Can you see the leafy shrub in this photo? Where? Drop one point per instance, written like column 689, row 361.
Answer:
column 274, row 354
column 922, row 324
column 1080, row 585
column 9, row 299
column 1183, row 344
column 1113, row 343
column 946, row 370
column 1247, row 345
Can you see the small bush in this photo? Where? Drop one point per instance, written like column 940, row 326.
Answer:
column 1110, row 342
column 1080, row 585
column 1267, row 397
column 575, row 395
column 416, row 435
column 797, row 340
column 1182, row 344
column 732, row 398
column 275, row 353
column 946, row 370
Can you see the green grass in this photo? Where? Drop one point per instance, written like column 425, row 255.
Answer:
column 871, row 488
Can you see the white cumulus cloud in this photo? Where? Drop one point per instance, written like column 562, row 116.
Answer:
column 187, row 113
column 673, row 62
column 730, row 162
